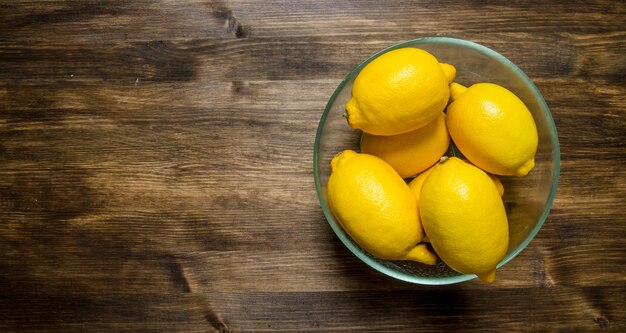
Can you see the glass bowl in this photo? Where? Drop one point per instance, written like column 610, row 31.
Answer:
column 527, row 199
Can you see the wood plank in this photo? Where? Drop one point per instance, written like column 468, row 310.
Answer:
column 429, row 310
column 386, row 311
column 256, row 59
column 214, row 257
column 78, row 312
column 95, row 21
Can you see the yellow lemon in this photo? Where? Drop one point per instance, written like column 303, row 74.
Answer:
column 416, row 187
column 400, row 91
column 416, row 184
column 464, row 218
column 493, row 128
column 413, row 152
column 375, row 207
column 498, row 184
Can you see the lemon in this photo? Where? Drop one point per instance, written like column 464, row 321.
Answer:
column 498, row 184
column 493, row 128
column 375, row 207
column 400, row 91
column 416, row 184
column 464, row 217
column 413, row 152
column 416, row 187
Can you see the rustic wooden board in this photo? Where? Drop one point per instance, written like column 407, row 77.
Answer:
column 156, row 167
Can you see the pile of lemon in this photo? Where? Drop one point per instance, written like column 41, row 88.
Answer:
column 409, row 109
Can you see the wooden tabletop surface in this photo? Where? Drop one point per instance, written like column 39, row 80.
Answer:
column 156, row 167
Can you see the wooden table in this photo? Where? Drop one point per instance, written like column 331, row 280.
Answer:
column 156, row 167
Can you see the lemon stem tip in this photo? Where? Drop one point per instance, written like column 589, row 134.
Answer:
column 449, row 71
column 456, row 90
column 487, row 277
column 420, row 253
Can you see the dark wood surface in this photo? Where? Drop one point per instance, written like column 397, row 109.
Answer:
column 156, row 167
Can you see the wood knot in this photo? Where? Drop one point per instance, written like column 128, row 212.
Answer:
column 242, row 88
column 216, row 322
column 235, row 27
column 601, row 322
column 178, row 276
column 232, row 26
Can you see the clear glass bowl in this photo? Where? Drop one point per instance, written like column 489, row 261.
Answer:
column 527, row 199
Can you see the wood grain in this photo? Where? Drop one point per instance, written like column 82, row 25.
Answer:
column 156, row 167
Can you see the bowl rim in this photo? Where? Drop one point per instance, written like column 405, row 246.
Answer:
column 372, row 262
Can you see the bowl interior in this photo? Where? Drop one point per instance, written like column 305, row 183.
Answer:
column 527, row 199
